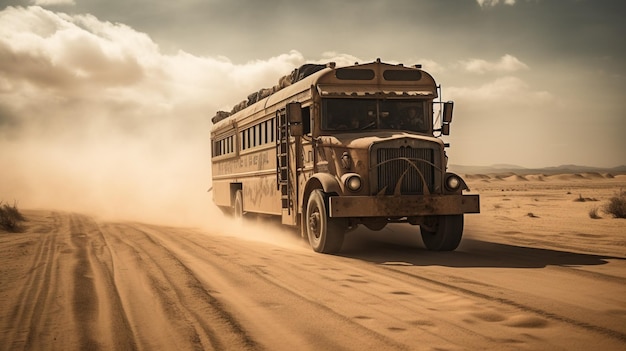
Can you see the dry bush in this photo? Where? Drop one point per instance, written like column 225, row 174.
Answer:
column 10, row 217
column 593, row 213
column 616, row 206
column 584, row 199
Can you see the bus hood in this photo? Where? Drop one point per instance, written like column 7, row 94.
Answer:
column 361, row 141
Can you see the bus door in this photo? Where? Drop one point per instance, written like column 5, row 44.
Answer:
column 289, row 131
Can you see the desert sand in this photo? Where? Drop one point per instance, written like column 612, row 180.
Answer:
column 534, row 272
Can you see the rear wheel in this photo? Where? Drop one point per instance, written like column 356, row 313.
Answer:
column 446, row 236
column 325, row 234
column 238, row 205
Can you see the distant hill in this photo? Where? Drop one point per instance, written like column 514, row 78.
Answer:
column 507, row 168
column 578, row 169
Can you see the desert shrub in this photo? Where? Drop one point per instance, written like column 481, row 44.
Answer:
column 10, row 217
column 593, row 213
column 584, row 199
column 616, row 206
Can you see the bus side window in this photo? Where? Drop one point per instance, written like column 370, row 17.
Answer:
column 306, row 120
column 264, row 133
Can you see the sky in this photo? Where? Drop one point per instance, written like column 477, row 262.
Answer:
column 102, row 99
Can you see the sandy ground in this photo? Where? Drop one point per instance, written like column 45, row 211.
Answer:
column 534, row 272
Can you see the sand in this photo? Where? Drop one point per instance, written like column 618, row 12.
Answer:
column 534, row 272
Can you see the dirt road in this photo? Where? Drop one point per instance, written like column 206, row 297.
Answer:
column 72, row 282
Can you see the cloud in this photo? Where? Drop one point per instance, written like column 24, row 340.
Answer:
column 52, row 2
column 505, row 91
column 94, row 117
column 431, row 66
column 486, row 3
column 338, row 58
column 507, row 63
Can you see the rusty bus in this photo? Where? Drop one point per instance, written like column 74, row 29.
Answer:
column 330, row 148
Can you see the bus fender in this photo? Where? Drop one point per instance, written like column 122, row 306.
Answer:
column 324, row 181
column 327, row 182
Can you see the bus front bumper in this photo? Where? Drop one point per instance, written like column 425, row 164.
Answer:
column 402, row 206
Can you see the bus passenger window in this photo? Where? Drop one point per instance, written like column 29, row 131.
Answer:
column 264, row 133
column 306, row 120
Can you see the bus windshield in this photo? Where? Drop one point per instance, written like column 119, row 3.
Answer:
column 350, row 115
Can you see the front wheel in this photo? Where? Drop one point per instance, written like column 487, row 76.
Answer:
column 447, row 234
column 325, row 234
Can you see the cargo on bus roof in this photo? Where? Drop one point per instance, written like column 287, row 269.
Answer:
column 296, row 75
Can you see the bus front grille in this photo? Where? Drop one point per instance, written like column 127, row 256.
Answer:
column 404, row 164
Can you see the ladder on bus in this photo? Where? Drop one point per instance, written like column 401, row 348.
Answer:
column 283, row 176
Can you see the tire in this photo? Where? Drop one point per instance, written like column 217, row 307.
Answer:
column 325, row 234
column 447, row 236
column 238, row 207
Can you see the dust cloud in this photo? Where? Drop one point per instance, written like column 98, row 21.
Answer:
column 95, row 118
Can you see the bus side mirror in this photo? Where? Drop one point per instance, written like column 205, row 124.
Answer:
column 294, row 113
column 447, row 111
column 295, row 130
column 294, row 117
column 445, row 129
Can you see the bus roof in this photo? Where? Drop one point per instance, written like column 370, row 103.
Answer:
column 359, row 80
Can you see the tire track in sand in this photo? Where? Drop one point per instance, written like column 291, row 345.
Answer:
column 181, row 303
column 262, row 301
column 509, row 302
column 27, row 313
column 100, row 317
column 512, row 319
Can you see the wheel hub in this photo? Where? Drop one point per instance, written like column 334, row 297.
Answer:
column 314, row 220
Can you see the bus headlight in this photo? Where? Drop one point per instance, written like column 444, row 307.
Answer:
column 352, row 181
column 453, row 182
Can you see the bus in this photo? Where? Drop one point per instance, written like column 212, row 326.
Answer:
column 330, row 148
